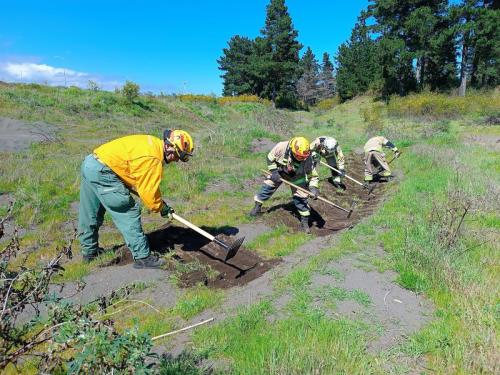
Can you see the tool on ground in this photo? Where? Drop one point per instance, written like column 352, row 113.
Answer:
column 370, row 189
column 231, row 249
column 349, row 212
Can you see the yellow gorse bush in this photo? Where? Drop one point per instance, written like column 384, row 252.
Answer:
column 327, row 104
column 437, row 106
column 211, row 99
column 198, row 98
column 242, row 99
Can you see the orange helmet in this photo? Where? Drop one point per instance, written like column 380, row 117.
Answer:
column 182, row 142
column 300, row 148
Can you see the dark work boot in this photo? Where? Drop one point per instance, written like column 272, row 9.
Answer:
column 152, row 261
column 256, row 209
column 89, row 258
column 304, row 223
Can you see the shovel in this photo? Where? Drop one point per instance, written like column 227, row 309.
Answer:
column 370, row 189
column 390, row 161
column 349, row 212
column 231, row 249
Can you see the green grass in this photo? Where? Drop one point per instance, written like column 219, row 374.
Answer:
column 296, row 345
column 278, row 242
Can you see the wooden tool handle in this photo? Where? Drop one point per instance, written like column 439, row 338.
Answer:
column 336, row 170
column 193, row 227
column 309, row 193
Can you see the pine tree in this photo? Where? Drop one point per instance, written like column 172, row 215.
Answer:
column 236, row 63
column 486, row 64
column 326, row 78
column 308, row 84
column 477, row 23
column 357, row 62
column 281, row 53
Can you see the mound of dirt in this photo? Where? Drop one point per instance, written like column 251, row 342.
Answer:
column 326, row 219
column 191, row 248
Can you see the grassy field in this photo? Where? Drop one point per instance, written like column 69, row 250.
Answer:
column 439, row 224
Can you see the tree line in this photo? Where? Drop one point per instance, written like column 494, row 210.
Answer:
column 395, row 47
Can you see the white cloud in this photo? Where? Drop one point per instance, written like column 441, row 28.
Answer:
column 54, row 76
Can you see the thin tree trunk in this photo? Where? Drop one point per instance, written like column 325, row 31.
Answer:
column 463, row 70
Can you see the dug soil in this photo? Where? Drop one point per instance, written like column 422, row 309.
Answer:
column 326, row 219
column 196, row 260
column 202, row 259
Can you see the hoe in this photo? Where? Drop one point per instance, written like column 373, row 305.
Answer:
column 231, row 249
column 349, row 212
column 370, row 189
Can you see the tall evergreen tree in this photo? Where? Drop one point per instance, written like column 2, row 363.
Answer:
column 486, row 64
column 281, row 53
column 236, row 64
column 477, row 24
column 326, row 78
column 357, row 62
column 308, row 84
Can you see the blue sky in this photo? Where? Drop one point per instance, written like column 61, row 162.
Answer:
column 167, row 46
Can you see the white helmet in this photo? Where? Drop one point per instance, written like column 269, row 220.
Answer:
column 329, row 145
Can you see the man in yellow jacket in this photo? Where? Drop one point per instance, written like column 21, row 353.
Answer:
column 131, row 164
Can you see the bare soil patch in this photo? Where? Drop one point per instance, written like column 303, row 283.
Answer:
column 262, row 145
column 16, row 135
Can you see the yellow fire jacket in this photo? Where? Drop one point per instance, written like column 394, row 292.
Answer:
column 376, row 144
column 338, row 154
column 138, row 161
column 280, row 157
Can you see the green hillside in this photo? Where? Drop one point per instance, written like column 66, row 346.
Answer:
column 436, row 226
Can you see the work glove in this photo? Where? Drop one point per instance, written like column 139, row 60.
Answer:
column 166, row 211
column 275, row 176
column 314, row 191
column 341, row 173
column 397, row 153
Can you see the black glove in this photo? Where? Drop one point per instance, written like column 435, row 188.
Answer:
column 275, row 176
column 315, row 192
column 341, row 173
column 166, row 211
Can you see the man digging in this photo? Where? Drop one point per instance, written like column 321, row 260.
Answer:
column 293, row 162
column 375, row 163
column 131, row 164
column 329, row 148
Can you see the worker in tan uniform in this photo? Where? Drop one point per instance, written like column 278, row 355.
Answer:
column 131, row 164
column 375, row 163
column 329, row 149
column 293, row 162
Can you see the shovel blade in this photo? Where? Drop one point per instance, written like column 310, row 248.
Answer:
column 231, row 249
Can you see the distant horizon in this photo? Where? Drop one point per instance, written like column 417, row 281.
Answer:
column 169, row 48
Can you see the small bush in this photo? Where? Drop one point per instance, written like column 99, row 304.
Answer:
column 130, row 91
column 327, row 104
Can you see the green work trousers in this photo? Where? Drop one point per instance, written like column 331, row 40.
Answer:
column 102, row 190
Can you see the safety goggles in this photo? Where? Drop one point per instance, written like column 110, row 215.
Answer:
column 183, row 155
